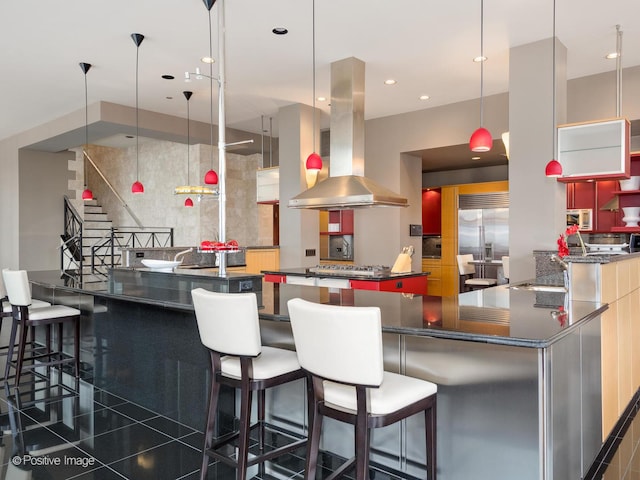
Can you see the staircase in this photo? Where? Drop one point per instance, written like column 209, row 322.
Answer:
column 96, row 231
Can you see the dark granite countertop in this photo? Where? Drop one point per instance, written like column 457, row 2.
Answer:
column 497, row 315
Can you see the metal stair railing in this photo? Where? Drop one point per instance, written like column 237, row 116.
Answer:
column 105, row 251
column 71, row 258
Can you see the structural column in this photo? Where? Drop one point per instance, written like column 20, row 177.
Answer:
column 299, row 229
column 537, row 203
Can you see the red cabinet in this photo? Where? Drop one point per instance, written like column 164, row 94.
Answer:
column 581, row 195
column 431, row 211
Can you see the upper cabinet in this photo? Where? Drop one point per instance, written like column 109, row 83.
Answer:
column 431, row 211
column 594, row 150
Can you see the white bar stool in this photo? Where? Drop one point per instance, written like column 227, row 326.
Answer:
column 19, row 293
column 229, row 328
column 341, row 348
column 7, row 310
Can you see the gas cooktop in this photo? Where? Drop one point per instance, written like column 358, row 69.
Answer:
column 346, row 270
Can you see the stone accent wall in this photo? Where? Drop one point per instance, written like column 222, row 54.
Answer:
column 162, row 167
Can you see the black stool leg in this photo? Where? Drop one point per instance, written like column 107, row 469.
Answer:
column 76, row 345
column 214, row 393
column 245, row 420
column 430, row 429
column 315, row 427
column 11, row 347
column 362, row 436
column 21, row 351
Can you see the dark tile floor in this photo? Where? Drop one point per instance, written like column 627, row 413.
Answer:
column 96, row 435
column 619, row 458
column 93, row 434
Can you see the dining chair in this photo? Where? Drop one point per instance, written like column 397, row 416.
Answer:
column 468, row 278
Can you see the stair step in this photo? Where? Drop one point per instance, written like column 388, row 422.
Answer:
column 93, row 209
column 95, row 217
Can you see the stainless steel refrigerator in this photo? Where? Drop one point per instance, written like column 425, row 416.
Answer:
column 484, row 232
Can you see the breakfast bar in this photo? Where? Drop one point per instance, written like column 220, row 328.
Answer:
column 518, row 371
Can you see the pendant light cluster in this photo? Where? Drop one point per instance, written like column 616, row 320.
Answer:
column 314, row 161
column 481, row 140
column 87, row 194
column 553, row 168
column 137, row 186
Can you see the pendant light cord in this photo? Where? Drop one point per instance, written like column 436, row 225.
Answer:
column 137, row 114
column 188, row 142
column 313, row 49
column 211, row 86
column 618, row 71
column 86, row 128
column 482, row 62
column 554, row 145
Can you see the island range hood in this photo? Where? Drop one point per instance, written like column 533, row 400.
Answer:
column 347, row 187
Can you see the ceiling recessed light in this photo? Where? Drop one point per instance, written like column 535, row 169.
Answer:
column 168, row 77
column 479, row 59
column 475, row 158
column 424, row 97
column 322, row 99
column 611, row 56
column 280, row 31
column 391, row 81
column 207, row 60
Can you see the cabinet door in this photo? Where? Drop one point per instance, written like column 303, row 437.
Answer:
column 346, row 222
column 431, row 212
column 605, row 220
column 581, row 195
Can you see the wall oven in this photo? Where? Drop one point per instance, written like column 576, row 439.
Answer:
column 583, row 217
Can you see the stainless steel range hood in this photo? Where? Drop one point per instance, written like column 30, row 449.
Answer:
column 347, row 187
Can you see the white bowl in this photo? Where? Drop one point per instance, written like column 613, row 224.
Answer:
column 161, row 265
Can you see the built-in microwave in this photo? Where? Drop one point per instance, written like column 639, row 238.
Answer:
column 583, row 217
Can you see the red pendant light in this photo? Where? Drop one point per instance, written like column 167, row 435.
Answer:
column 137, row 186
column 86, row 193
column 314, row 161
column 481, row 140
column 188, row 202
column 554, row 167
column 211, row 177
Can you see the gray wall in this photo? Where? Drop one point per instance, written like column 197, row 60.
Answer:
column 43, row 179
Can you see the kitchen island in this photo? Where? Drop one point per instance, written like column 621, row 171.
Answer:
column 518, row 371
column 373, row 277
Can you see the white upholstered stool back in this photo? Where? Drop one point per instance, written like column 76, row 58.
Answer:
column 17, row 286
column 338, row 343
column 228, row 323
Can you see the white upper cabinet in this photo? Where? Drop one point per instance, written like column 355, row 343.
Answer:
column 594, row 150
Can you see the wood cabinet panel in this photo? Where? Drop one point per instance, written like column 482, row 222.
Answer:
column 434, row 280
column 581, row 195
column 262, row 259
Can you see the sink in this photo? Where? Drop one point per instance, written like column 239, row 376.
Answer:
column 538, row 287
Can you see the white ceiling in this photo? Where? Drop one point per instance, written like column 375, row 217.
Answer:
column 426, row 46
